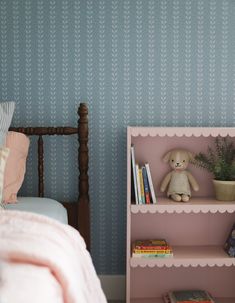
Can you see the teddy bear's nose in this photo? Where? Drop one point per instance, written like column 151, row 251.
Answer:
column 177, row 163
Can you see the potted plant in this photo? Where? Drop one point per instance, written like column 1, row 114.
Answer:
column 220, row 161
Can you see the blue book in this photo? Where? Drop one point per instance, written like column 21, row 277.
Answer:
column 146, row 185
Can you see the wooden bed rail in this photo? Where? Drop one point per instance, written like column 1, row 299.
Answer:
column 45, row 131
column 82, row 208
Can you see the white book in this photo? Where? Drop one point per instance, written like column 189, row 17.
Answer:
column 138, row 183
column 151, row 184
column 134, row 174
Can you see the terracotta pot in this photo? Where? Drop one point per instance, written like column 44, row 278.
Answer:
column 224, row 190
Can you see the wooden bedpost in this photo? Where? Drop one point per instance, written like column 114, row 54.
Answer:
column 40, row 167
column 83, row 198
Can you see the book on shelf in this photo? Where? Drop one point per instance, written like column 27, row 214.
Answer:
column 230, row 243
column 150, row 182
column 138, row 183
column 146, row 185
column 166, row 250
column 134, row 174
column 188, row 296
column 150, row 244
column 141, row 186
column 157, row 255
column 158, row 248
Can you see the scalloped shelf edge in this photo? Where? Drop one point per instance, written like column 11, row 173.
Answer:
column 177, row 211
column 152, row 265
column 196, row 205
column 185, row 256
column 182, row 131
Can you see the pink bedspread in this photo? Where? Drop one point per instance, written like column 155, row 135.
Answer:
column 42, row 260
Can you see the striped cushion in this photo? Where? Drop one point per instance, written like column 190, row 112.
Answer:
column 6, row 113
column 4, row 152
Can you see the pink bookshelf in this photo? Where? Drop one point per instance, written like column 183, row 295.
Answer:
column 196, row 230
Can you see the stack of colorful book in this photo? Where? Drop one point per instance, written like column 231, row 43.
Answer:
column 151, row 248
column 188, row 296
column 142, row 180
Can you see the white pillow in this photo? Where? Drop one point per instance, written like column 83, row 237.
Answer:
column 6, row 113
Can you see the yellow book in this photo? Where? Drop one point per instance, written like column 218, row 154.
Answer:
column 154, row 252
column 141, row 186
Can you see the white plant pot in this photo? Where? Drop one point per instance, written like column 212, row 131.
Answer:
column 224, row 190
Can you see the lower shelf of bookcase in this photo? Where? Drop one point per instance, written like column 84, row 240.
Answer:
column 160, row 300
column 188, row 256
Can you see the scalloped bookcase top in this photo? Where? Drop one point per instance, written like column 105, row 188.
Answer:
column 181, row 131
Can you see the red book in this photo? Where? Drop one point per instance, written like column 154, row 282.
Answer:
column 151, row 244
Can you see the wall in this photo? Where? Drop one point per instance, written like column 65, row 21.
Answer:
column 137, row 62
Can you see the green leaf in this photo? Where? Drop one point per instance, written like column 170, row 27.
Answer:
column 219, row 160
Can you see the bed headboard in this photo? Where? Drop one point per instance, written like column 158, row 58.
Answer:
column 78, row 213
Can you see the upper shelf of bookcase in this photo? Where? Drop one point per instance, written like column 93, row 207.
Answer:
column 181, row 131
column 195, row 205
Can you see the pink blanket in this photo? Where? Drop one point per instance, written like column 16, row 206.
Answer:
column 42, row 260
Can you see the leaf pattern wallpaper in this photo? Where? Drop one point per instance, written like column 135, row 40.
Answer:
column 135, row 62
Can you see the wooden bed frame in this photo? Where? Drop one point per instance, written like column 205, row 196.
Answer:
column 78, row 213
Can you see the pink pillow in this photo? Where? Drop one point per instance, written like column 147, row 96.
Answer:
column 15, row 169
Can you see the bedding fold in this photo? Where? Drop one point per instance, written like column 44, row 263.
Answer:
column 37, row 246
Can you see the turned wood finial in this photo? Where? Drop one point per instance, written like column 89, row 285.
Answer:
column 83, row 200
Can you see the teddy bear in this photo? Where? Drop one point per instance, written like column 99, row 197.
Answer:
column 179, row 179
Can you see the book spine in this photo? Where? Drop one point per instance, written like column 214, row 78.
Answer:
column 151, row 247
column 138, row 183
column 152, row 252
column 141, row 186
column 153, row 256
column 146, row 185
column 151, row 184
column 134, row 174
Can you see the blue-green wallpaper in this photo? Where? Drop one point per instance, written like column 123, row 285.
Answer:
column 138, row 62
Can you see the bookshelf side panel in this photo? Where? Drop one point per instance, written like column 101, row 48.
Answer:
column 128, row 226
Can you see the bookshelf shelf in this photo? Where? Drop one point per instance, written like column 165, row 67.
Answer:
column 188, row 256
column 196, row 205
column 197, row 230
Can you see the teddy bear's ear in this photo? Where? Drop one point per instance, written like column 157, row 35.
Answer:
column 190, row 156
column 166, row 158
